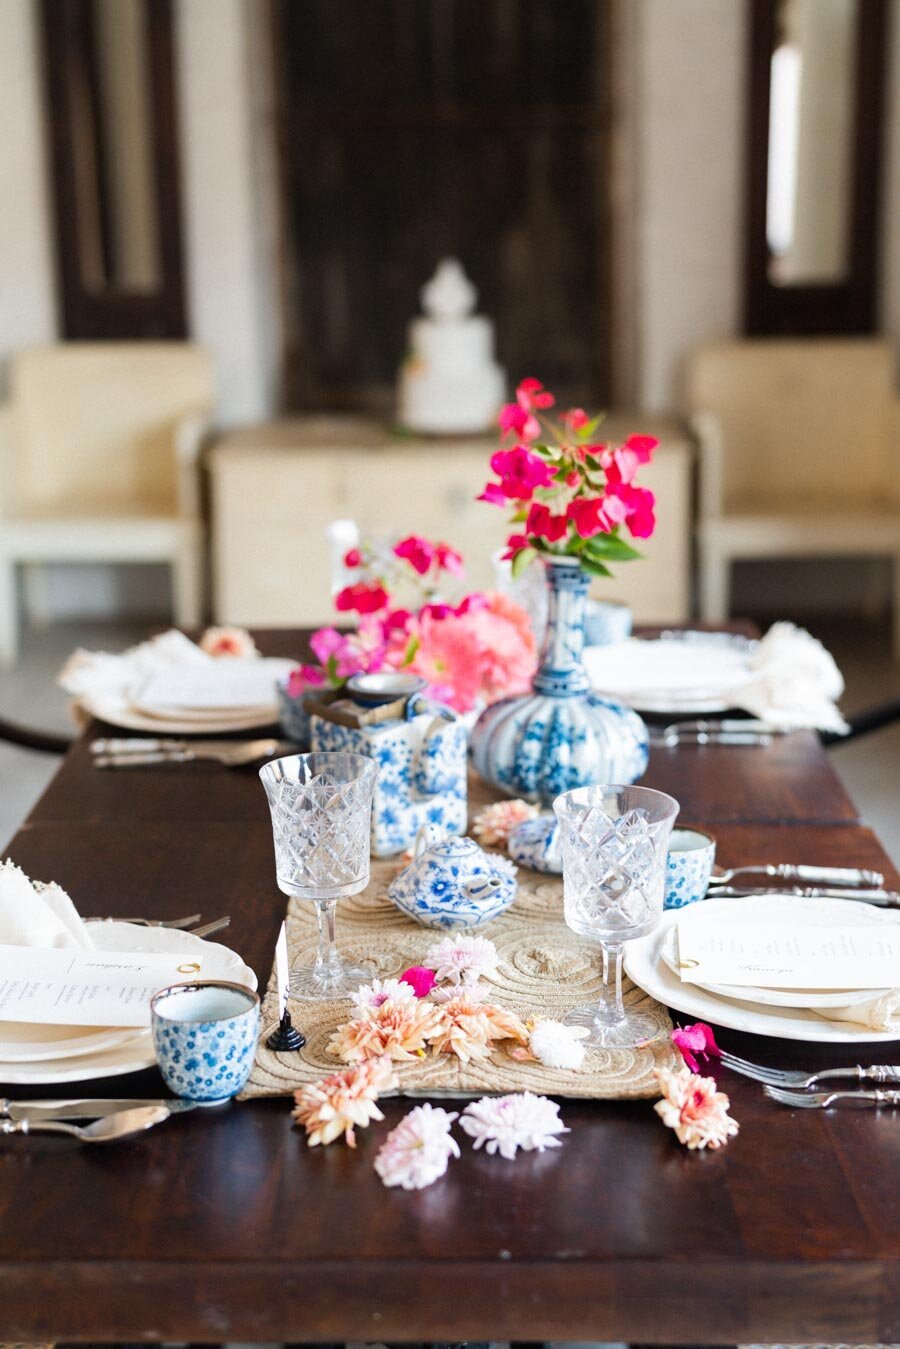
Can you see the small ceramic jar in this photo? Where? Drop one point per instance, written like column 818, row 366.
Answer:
column 292, row 715
column 453, row 883
column 535, row 843
column 606, row 622
column 689, row 867
column 204, row 1034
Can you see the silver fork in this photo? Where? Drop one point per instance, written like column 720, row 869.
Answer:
column 789, row 1077
column 821, row 1100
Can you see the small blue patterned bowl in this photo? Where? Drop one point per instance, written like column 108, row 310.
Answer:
column 292, row 715
column 689, row 867
column 606, row 622
column 204, row 1034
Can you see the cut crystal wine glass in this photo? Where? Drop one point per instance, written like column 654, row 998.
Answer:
column 614, row 843
column 321, row 806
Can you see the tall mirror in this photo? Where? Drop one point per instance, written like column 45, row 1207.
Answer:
column 111, row 117
column 817, row 94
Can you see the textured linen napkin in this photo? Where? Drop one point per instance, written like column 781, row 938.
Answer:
column 116, row 677
column 881, row 1013
column 37, row 915
column 795, row 682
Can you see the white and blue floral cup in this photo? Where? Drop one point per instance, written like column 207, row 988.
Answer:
column 689, row 867
column 205, row 1034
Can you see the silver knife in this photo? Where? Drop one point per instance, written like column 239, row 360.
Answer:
column 81, row 1108
column 885, row 899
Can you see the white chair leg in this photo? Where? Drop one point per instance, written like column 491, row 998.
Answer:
column 9, row 616
column 36, row 594
column 714, row 585
column 187, row 582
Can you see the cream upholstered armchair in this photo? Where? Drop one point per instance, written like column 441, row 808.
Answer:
column 799, row 444
column 101, row 442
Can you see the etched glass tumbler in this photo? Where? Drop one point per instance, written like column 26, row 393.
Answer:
column 614, row 843
column 321, row 807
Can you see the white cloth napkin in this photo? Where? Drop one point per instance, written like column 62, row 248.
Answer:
column 32, row 914
column 881, row 1013
column 115, row 677
column 794, row 683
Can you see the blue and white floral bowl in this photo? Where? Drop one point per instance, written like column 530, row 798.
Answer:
column 453, row 883
column 205, row 1034
column 689, row 867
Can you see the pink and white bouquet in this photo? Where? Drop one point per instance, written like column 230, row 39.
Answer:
column 470, row 653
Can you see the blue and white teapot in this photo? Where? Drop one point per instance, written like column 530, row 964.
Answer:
column 452, row 882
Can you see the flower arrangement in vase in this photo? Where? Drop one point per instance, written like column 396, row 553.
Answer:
column 569, row 498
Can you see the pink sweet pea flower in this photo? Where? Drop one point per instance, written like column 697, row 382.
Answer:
column 693, row 1040
column 518, row 421
column 420, row 979
column 588, row 516
column 531, row 394
column 543, row 524
column 520, row 472
column 514, row 544
column 418, row 552
column 448, row 559
column 365, row 599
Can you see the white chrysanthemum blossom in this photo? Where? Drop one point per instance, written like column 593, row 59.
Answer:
column 463, row 959
column 556, row 1045
column 447, row 992
column 415, row 1154
column 369, row 996
column 505, row 1124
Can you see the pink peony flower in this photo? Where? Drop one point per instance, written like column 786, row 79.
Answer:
column 693, row 1040
column 228, row 642
column 694, row 1109
column 418, row 552
column 421, row 979
column 449, row 659
column 520, row 471
column 365, row 599
column 588, row 516
column 543, row 524
column 508, row 648
column 416, row 1152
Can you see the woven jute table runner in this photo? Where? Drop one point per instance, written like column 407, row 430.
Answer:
column 545, row 970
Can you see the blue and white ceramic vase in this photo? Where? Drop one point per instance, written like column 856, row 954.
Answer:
column 561, row 735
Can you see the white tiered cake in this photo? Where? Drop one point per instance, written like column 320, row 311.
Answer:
column 450, row 382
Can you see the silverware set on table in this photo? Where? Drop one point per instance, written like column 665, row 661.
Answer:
column 721, row 731
column 110, row 1120
column 143, row 752
column 806, row 882
column 190, row 923
column 791, row 1086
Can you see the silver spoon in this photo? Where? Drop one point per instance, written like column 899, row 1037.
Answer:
column 110, row 1129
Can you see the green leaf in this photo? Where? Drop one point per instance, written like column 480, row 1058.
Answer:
column 612, row 549
column 590, row 427
column 594, row 568
column 518, row 518
column 411, row 649
column 521, row 561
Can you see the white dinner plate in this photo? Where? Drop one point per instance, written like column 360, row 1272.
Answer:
column 692, row 672
column 231, row 687
column 91, row 1053
column 646, row 966
column 116, row 713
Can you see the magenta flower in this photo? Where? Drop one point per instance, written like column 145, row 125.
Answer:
column 693, row 1040
column 493, row 494
column 302, row 678
column 588, row 516
column 518, row 421
column 353, row 558
column 531, row 394
column 365, row 599
column 420, row 979
column 448, row 559
column 520, row 472
column 418, row 552
column 642, row 446
column 514, row 544
column 576, row 419
column 543, row 524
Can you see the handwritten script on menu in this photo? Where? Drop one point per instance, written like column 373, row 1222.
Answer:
column 718, row 951
column 86, row 988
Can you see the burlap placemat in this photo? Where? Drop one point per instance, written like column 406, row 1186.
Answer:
column 545, row 970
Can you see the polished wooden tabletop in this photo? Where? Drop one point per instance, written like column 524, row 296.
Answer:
column 226, row 1226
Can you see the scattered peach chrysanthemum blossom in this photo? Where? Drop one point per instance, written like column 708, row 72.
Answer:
column 378, row 991
column 693, row 1107
column 342, row 1102
column 469, row 1029
column 463, row 959
column 401, row 1030
column 506, row 1123
column 496, row 822
column 416, row 1153
column 228, row 642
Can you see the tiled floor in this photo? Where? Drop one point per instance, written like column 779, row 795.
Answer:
column 870, row 766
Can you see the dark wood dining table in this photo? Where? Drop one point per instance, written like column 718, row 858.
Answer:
column 225, row 1225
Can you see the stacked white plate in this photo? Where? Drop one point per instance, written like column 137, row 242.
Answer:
column 788, row 1014
column 691, row 672
column 43, row 1053
column 209, row 698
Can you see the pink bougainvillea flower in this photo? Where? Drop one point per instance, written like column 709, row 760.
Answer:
column 436, row 610
column 421, row 979
column 576, row 419
column 303, row 677
column 418, row 552
column 614, row 509
column 693, row 1040
column 365, row 599
column 449, row 559
column 543, row 524
column 694, row 1109
column 397, row 620
column 520, row 471
column 642, row 446
column 469, row 603
column 588, row 517
column 531, row 394
column 493, row 494
column 641, row 519
column 353, row 558
column 514, row 544
column 518, row 421
column 337, row 651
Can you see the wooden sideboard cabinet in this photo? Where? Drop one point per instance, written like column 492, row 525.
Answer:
column 276, row 487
